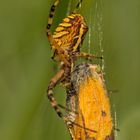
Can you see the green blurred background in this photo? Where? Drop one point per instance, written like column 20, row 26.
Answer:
column 26, row 67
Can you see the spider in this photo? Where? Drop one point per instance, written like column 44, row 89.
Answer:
column 66, row 42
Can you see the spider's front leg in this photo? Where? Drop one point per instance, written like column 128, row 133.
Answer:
column 87, row 55
column 50, row 94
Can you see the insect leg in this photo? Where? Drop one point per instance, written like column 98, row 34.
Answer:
column 50, row 94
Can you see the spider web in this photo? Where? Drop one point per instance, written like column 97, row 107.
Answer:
column 96, row 26
column 98, row 34
column 95, row 33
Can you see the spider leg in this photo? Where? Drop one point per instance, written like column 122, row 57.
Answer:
column 50, row 21
column 87, row 55
column 50, row 94
column 49, row 34
column 77, row 6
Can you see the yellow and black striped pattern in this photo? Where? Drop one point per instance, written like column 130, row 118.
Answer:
column 70, row 33
column 50, row 19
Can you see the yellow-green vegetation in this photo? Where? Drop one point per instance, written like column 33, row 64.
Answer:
column 26, row 67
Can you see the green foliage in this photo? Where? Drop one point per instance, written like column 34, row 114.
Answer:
column 26, row 67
